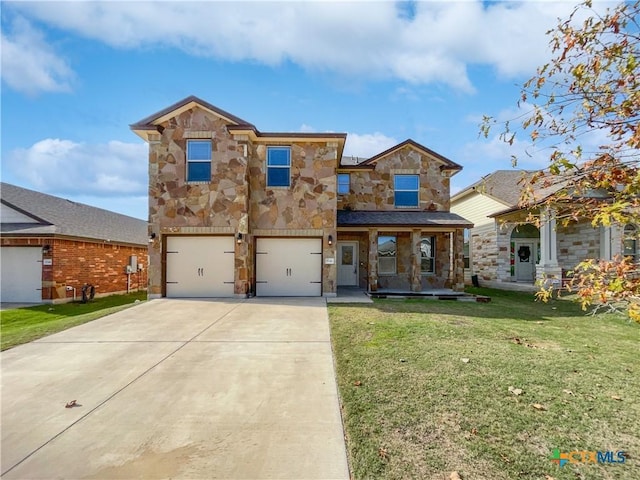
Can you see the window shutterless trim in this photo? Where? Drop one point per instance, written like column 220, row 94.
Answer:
column 270, row 167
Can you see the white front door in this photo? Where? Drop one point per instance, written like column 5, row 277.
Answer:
column 200, row 267
column 525, row 261
column 288, row 267
column 347, row 263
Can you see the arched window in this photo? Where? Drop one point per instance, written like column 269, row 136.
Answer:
column 630, row 242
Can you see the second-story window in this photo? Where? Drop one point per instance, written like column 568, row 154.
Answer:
column 278, row 166
column 406, row 189
column 343, row 183
column 198, row 160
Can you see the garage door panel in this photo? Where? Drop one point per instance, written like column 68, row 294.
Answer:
column 289, row 267
column 200, row 267
column 21, row 274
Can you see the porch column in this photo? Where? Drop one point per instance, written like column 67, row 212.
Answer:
column 457, row 280
column 548, row 266
column 415, row 279
column 605, row 243
column 373, row 260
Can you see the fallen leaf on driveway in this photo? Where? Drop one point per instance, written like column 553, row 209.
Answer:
column 71, row 404
column 539, row 406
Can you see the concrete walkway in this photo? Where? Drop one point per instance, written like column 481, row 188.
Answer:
column 178, row 389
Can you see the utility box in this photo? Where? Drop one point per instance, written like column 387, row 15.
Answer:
column 133, row 263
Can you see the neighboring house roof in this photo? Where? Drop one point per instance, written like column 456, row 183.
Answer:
column 351, row 218
column 370, row 163
column 501, row 185
column 58, row 216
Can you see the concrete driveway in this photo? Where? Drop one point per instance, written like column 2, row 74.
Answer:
column 233, row 389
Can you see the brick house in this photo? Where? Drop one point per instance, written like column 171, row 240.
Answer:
column 234, row 211
column 502, row 248
column 51, row 246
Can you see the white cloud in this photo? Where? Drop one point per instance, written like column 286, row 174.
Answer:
column 97, row 170
column 368, row 144
column 436, row 43
column 29, row 64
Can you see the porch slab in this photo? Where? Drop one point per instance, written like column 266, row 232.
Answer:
column 350, row 295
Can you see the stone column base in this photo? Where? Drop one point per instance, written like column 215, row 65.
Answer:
column 549, row 275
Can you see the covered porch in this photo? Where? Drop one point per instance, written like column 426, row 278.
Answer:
column 410, row 251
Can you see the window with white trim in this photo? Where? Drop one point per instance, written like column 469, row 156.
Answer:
column 344, row 183
column 428, row 255
column 387, row 253
column 198, row 160
column 278, row 166
column 406, row 189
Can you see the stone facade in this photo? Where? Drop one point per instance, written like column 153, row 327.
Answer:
column 372, row 188
column 236, row 199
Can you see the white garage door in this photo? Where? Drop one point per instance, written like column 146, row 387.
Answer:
column 21, row 274
column 200, row 267
column 289, row 267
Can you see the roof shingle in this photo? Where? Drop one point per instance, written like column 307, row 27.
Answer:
column 64, row 217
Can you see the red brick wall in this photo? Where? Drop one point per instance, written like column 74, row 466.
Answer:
column 76, row 262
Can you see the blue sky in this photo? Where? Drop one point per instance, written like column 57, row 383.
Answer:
column 76, row 74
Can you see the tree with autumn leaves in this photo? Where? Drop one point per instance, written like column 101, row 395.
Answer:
column 588, row 94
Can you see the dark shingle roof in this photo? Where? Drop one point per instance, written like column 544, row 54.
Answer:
column 58, row 216
column 503, row 185
column 350, row 218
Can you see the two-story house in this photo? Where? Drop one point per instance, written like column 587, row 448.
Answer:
column 234, row 211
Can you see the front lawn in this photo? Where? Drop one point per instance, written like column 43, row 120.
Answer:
column 486, row 390
column 22, row 325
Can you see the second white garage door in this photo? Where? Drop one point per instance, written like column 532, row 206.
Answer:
column 200, row 267
column 289, row 267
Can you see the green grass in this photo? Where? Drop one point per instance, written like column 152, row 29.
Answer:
column 22, row 325
column 413, row 409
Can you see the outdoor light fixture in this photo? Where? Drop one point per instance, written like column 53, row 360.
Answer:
column 152, row 237
column 239, row 238
column 330, row 240
column 46, row 249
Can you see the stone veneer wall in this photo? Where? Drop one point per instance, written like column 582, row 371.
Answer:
column 373, row 189
column 483, row 252
column 577, row 242
column 236, row 198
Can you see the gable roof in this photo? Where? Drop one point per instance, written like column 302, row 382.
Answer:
column 150, row 123
column 58, row 216
column 370, row 163
column 501, row 185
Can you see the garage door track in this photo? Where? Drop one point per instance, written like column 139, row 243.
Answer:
column 233, row 389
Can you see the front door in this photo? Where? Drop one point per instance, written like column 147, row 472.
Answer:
column 347, row 263
column 525, row 261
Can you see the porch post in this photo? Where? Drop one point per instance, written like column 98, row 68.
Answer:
column 373, row 260
column 415, row 279
column 605, row 243
column 548, row 266
column 458, row 260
